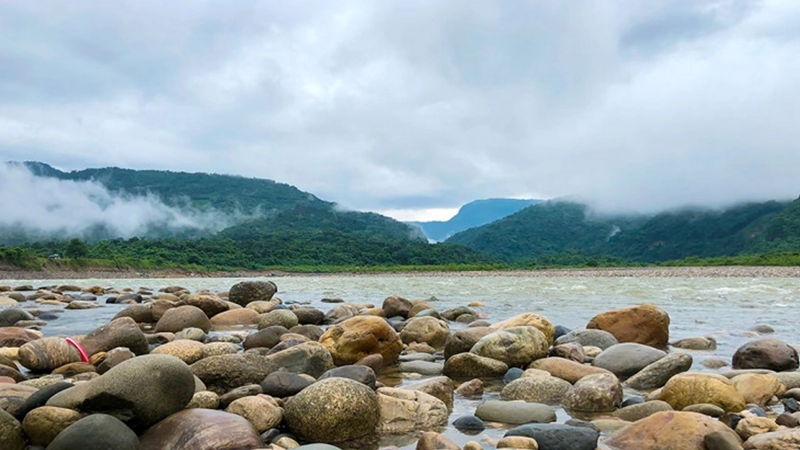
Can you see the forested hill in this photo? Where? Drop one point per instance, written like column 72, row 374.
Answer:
column 473, row 214
column 556, row 228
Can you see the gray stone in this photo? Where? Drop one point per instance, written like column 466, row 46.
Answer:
column 556, row 436
column 422, row 367
column 658, row 373
column 539, row 389
column 201, row 429
column 515, row 412
column 624, row 360
column 249, row 291
column 589, row 338
column 96, row 432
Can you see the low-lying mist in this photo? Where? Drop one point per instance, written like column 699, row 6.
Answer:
column 36, row 208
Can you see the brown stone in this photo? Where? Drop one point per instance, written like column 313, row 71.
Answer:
column 360, row 336
column 532, row 320
column 565, row 369
column 201, row 429
column 644, row 324
column 668, row 430
column 692, row 387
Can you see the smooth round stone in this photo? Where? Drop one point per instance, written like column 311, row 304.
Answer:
column 204, row 399
column 469, row 424
column 512, row 374
column 627, row 359
column 11, row 434
column 589, row 338
column 632, row 413
column 40, row 397
column 707, row 409
column 96, row 432
column 417, row 357
column 422, row 367
column 515, row 412
column 202, row 429
column 43, row 424
column 362, row 374
column 261, row 411
column 285, row 384
column 558, row 436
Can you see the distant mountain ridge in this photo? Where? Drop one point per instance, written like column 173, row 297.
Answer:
column 474, row 214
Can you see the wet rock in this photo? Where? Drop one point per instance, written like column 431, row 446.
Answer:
column 657, row 374
column 43, row 424
column 11, row 434
column 186, row 350
column 46, row 354
column 626, row 359
column 355, row 338
column 139, row 313
column 469, row 365
column 571, row 350
column 439, row 387
column 589, row 338
column 96, row 432
column 752, row 426
column 558, row 436
column 10, row 316
column 644, row 324
column 362, row 374
column 140, row 391
column 396, row 306
column 402, row 411
column 668, row 430
column 529, row 320
column 265, row 338
column 250, row 291
column 696, row 343
column 515, row 412
column 342, row 313
column 538, row 389
column 309, row 316
column 431, row 440
column 225, row 372
column 429, row 330
column 594, row 393
column 469, row 424
column 41, row 396
column 285, row 384
column 639, row 411
column 260, row 410
column 461, row 341
column 333, row 410
column 277, row 317
column 692, row 387
column 234, row 317
column 201, row 429
column 515, row 346
column 518, row 442
column 311, row 358
column 421, row 367
column 210, row 304
column 471, row 388
column 177, row 319
column 565, row 369
column 17, row 337
column 758, row 388
column 767, row 353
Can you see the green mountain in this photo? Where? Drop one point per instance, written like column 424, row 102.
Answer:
column 556, row 228
column 473, row 214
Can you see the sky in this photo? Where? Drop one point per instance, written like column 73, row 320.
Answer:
column 413, row 108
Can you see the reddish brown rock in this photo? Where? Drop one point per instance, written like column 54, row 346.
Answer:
column 644, row 324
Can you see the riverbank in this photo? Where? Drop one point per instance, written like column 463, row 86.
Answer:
column 616, row 272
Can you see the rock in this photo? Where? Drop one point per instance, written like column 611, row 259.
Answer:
column 566, row 369
column 515, row 346
column 43, row 424
column 706, row 409
column 538, row 389
column 13, row 397
column 418, row 347
column 751, row 426
column 469, row 365
column 429, row 330
column 285, row 384
column 787, row 420
column 758, row 388
column 177, row 319
column 594, row 393
column 240, row 392
column 357, row 337
column 571, row 350
column 515, row 412
column 461, row 341
column 342, row 313
column 309, row 316
column 204, row 399
column 668, row 430
column 112, row 359
column 692, row 387
column 402, row 411
column 139, row 313
column 626, row 359
column 333, row 410
column 439, row 387
column 719, row 440
column 644, row 324
column 262, row 306
column 140, row 391
column 519, row 442
column 657, row 374
column 186, row 350
column 261, row 411
column 72, row 369
column 225, row 372
column 558, row 436
column 14, row 374
column 421, row 367
column 11, row 432
column 471, row 388
column 10, row 316
column 312, row 332
column 46, row 354
column 768, row 353
column 696, row 343
column 589, row 338
column 249, row 291
column 17, row 337
column 362, row 374
column 396, row 306
column 469, row 424
column 431, row 440
column 96, row 432
column 40, row 397
column 639, row 411
column 201, row 429
column 234, row 317
column 776, row 440
column 210, row 304
column 265, row 338
column 79, row 304
column 530, row 320
column 277, row 317
column 310, row 358
column 789, row 379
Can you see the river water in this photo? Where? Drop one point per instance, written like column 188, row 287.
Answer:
column 725, row 308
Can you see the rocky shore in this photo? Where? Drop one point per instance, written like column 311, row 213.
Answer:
column 242, row 370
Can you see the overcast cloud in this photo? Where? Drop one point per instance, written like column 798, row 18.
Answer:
column 413, row 105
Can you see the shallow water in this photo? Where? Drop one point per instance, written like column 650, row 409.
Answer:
column 724, row 308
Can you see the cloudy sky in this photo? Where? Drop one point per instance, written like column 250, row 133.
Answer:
column 413, row 108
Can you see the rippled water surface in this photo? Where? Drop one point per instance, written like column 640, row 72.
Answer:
column 725, row 308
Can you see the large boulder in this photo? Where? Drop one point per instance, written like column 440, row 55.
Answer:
column 122, row 332
column 358, row 337
column 429, row 330
column 250, row 291
column 669, row 430
column 201, row 429
column 692, row 388
column 469, row 365
column 96, row 432
column 515, row 346
column 594, row 393
column 333, row 410
column 396, row 306
column 644, row 324
column 140, row 391
column 767, row 353
column 626, row 359
column 187, row 316
column 541, row 323
column 402, row 411
column 657, row 374
column 222, row 373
